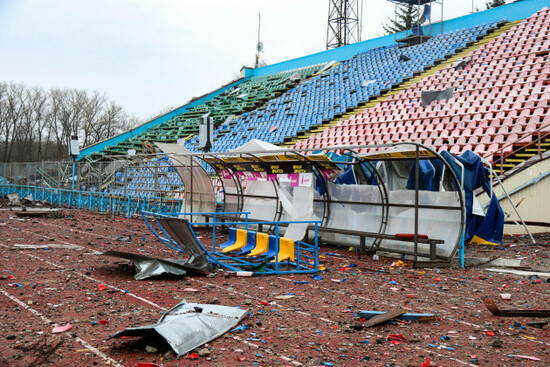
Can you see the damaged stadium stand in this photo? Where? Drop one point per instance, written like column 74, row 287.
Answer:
column 240, row 98
column 338, row 90
column 500, row 103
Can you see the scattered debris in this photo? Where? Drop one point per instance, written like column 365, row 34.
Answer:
column 519, row 272
column 151, row 349
column 41, row 212
column 420, row 317
column 383, row 317
column 492, row 306
column 46, row 247
column 62, row 329
column 523, row 357
column 189, row 325
column 122, row 238
column 286, row 296
column 150, row 266
column 14, row 199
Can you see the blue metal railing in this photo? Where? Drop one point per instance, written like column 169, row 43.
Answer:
column 94, row 201
column 307, row 255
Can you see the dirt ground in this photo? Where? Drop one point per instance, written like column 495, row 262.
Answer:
column 318, row 326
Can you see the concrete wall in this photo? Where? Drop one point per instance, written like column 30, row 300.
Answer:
column 532, row 202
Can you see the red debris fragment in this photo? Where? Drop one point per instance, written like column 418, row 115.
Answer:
column 397, row 338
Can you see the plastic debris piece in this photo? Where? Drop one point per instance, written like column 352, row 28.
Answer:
column 383, row 317
column 147, row 364
column 286, row 296
column 505, row 296
column 397, row 338
column 523, row 357
column 102, row 287
column 420, row 317
column 244, row 273
column 241, row 328
column 192, row 356
column 61, row 329
column 427, row 363
column 397, row 264
column 190, row 290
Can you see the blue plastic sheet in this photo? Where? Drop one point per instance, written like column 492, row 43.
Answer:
column 490, row 227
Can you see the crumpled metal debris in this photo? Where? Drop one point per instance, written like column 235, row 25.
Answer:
column 150, row 266
column 14, row 199
column 189, row 325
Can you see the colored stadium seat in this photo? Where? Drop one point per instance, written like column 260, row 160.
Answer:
column 239, row 243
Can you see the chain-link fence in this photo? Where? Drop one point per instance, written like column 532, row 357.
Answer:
column 137, row 177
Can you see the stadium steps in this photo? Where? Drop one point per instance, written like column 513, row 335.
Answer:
column 407, row 84
column 522, row 155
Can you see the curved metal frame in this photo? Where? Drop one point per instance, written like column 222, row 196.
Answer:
column 459, row 191
column 316, row 168
column 383, row 196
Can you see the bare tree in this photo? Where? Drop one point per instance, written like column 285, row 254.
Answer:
column 14, row 105
column 92, row 110
column 494, row 3
column 36, row 124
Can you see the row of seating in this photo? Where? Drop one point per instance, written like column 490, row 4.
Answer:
column 152, row 178
column 480, row 116
column 259, row 245
column 339, row 89
column 243, row 97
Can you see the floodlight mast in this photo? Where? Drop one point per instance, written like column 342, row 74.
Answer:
column 344, row 24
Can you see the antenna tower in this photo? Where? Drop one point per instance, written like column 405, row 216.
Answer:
column 259, row 45
column 344, row 26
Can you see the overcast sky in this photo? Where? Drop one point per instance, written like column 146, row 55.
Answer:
column 149, row 54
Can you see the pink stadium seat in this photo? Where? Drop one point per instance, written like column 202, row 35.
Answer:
column 479, row 149
column 500, row 138
column 455, row 149
column 517, row 129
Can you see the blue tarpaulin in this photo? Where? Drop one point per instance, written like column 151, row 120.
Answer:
column 479, row 229
column 430, row 172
